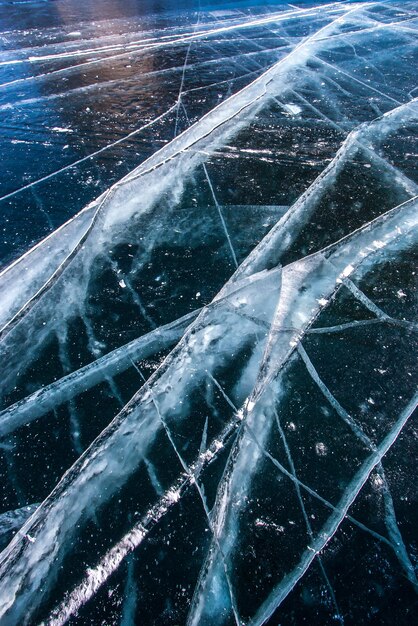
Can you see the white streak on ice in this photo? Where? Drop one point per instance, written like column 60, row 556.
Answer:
column 331, row 526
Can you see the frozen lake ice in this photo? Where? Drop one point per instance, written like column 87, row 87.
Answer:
column 208, row 313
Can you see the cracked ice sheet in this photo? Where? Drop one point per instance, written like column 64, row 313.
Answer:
column 227, row 343
column 374, row 565
column 235, row 493
column 179, row 436
column 190, row 195
column 93, row 346
column 104, row 409
column 86, row 335
column 355, row 246
column 92, row 128
column 100, row 108
column 97, row 344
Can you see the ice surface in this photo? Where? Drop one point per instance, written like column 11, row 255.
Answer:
column 12, row 521
column 209, row 373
